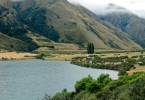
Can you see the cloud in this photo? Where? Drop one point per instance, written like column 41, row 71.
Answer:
column 16, row 0
column 99, row 6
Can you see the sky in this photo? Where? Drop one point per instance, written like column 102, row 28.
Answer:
column 100, row 6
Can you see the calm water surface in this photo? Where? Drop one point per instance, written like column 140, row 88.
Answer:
column 32, row 79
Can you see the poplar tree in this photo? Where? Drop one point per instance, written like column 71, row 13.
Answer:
column 90, row 48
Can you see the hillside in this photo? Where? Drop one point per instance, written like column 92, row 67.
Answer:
column 129, row 23
column 12, row 44
column 52, row 20
column 12, row 26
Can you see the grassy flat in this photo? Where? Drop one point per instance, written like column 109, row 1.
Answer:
column 17, row 56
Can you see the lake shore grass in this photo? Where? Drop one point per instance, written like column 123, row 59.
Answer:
column 16, row 56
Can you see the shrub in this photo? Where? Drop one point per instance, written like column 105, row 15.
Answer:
column 81, row 85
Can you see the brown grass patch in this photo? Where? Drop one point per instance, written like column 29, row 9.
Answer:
column 15, row 55
column 137, row 69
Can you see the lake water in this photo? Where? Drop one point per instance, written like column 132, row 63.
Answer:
column 32, row 79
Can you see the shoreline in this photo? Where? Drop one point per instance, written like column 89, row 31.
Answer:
column 12, row 56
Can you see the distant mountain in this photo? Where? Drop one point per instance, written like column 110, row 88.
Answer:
column 129, row 23
column 51, row 19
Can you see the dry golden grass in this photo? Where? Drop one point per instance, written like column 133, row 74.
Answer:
column 137, row 69
column 129, row 54
column 14, row 55
column 44, row 44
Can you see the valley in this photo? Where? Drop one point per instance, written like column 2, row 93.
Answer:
column 48, row 45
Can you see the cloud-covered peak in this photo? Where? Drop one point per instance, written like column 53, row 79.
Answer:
column 110, row 7
column 106, row 6
column 102, row 9
column 113, row 6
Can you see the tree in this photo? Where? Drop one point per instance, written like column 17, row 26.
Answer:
column 90, row 48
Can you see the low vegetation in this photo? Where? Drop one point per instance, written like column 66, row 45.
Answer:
column 121, row 63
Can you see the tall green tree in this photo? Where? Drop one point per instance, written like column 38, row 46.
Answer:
column 90, row 48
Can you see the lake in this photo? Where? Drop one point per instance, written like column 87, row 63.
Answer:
column 32, row 79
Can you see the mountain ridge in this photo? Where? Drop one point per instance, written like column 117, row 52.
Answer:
column 52, row 20
column 127, row 22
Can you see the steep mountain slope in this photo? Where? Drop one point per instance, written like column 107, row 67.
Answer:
column 51, row 19
column 8, row 43
column 12, row 26
column 129, row 23
column 104, row 22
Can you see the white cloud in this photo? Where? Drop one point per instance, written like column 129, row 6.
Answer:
column 98, row 6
